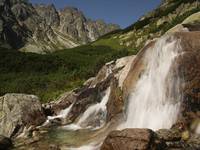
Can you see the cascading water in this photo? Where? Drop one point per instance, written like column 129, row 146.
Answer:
column 151, row 105
column 63, row 114
column 96, row 112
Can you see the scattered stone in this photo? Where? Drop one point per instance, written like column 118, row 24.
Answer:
column 169, row 135
column 194, row 142
column 54, row 147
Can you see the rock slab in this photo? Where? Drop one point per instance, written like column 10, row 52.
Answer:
column 132, row 139
column 18, row 111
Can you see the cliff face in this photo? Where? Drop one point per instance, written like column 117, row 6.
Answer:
column 49, row 14
column 11, row 33
column 72, row 22
column 43, row 29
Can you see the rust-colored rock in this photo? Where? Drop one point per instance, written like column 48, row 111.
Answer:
column 115, row 105
column 132, row 139
column 189, row 72
column 186, row 67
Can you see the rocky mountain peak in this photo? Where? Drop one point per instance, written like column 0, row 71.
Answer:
column 48, row 13
column 46, row 29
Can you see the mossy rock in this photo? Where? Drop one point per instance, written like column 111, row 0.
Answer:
column 193, row 19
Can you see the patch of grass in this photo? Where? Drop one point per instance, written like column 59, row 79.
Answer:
column 178, row 20
column 50, row 75
column 157, row 14
column 110, row 42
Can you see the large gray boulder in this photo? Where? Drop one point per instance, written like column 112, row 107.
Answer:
column 18, row 111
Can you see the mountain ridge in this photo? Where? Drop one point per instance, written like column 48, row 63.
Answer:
column 47, row 29
column 151, row 25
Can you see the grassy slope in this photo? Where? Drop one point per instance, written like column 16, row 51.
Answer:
column 50, row 75
column 148, row 26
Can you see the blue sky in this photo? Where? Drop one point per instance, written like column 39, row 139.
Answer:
column 122, row 12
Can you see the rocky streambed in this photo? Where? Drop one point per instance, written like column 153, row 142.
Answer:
column 84, row 117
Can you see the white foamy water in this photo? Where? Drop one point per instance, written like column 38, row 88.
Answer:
column 150, row 104
column 87, row 147
column 97, row 111
column 198, row 128
column 63, row 114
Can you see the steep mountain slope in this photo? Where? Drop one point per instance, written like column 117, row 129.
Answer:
column 11, row 33
column 46, row 29
column 152, row 25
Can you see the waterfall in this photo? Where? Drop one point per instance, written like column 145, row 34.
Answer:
column 95, row 115
column 198, row 128
column 63, row 114
column 152, row 104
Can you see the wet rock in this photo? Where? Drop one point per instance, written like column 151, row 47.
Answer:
column 111, row 75
column 18, row 111
column 55, row 122
column 194, row 142
column 115, row 105
column 133, row 139
column 136, row 69
column 169, row 135
column 145, row 139
column 185, row 67
column 85, row 98
column 64, row 101
column 176, row 145
column 5, row 143
column 189, row 72
column 54, row 147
